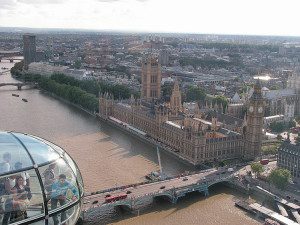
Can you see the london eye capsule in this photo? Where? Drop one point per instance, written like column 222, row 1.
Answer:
column 39, row 182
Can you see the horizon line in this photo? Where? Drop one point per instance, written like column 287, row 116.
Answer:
column 94, row 30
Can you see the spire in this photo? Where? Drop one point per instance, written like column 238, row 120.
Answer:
column 175, row 101
column 216, row 106
column 214, row 123
column 257, row 91
column 176, row 85
column 245, row 120
column 132, row 100
column 257, row 84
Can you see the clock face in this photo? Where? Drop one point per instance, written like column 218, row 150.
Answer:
column 251, row 109
column 260, row 109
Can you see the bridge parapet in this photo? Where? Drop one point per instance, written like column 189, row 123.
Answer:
column 141, row 195
column 18, row 85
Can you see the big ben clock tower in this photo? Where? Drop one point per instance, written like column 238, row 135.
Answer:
column 255, row 116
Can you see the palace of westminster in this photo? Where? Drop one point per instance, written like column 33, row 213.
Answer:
column 196, row 135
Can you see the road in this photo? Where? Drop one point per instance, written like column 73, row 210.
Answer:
column 156, row 187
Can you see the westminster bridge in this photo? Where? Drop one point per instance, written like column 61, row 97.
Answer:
column 137, row 196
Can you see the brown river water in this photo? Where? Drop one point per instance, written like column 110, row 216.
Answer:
column 107, row 157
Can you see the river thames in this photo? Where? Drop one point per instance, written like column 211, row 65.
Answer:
column 107, row 157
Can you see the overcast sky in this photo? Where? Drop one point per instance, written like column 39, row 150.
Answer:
column 262, row 17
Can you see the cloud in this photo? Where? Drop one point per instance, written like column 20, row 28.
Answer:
column 111, row 1
column 7, row 4
column 41, row 1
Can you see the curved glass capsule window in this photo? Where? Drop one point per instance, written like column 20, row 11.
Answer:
column 41, row 222
column 55, row 147
column 21, row 197
column 28, row 192
column 76, row 172
column 60, row 185
column 12, row 152
column 68, row 216
column 40, row 151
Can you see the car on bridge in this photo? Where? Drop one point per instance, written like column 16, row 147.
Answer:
column 115, row 198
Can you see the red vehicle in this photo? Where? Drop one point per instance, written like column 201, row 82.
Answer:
column 264, row 162
column 115, row 198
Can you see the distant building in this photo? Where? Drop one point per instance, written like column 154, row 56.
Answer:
column 46, row 69
column 164, row 57
column 167, row 80
column 81, row 74
column 294, row 83
column 236, row 109
column 29, row 49
column 40, row 56
column 271, row 119
column 280, row 102
column 151, row 78
column 289, row 158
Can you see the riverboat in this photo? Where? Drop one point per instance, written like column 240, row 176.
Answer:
column 154, row 176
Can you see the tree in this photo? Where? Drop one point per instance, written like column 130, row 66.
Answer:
column 274, row 87
column 280, row 177
column 93, row 87
column 271, row 149
column 77, row 64
column 257, row 168
column 221, row 100
column 167, row 89
column 195, row 94
column 17, row 69
column 277, row 126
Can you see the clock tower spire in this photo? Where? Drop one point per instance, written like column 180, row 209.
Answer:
column 255, row 115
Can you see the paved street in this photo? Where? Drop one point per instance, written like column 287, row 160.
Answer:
column 157, row 187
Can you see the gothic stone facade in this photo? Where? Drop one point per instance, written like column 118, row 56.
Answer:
column 289, row 158
column 192, row 137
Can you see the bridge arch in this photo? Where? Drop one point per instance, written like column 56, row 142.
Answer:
column 123, row 207
column 163, row 196
column 218, row 182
